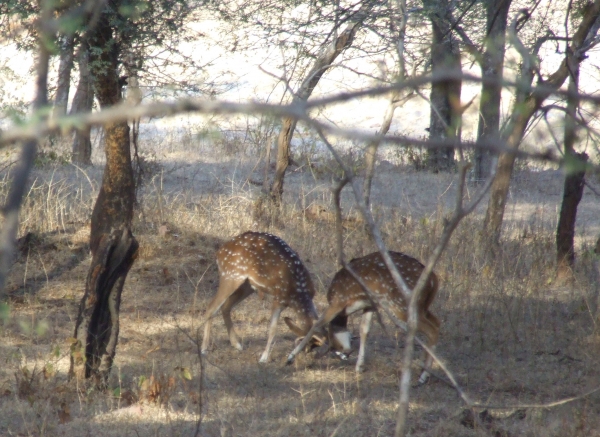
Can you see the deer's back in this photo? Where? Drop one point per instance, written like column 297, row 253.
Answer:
column 373, row 271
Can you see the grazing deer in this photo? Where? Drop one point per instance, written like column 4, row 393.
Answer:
column 264, row 263
column 347, row 296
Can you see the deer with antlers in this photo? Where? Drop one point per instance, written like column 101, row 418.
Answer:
column 347, row 295
column 261, row 262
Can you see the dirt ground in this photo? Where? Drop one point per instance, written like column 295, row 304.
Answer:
column 511, row 335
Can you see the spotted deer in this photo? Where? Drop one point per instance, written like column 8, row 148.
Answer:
column 346, row 296
column 264, row 263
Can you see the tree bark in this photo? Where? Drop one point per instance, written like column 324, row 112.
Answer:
column 134, row 98
column 526, row 104
column 65, row 66
column 573, row 185
column 112, row 244
column 445, row 111
column 322, row 63
column 63, row 84
column 492, row 67
column 18, row 179
column 82, row 103
column 97, row 327
column 565, row 232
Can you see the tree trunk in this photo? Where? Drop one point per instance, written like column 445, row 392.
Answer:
column 526, row 104
column 573, row 186
column 565, row 232
column 65, row 66
column 492, row 67
column 112, row 244
column 63, row 83
column 322, row 63
column 97, row 326
column 499, row 190
column 284, row 141
column 82, row 103
column 19, row 173
column 134, row 98
column 596, row 273
column 445, row 111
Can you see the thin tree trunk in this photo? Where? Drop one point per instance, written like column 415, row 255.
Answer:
column 573, row 185
column 134, row 98
column 82, row 103
column 112, row 244
column 65, row 66
column 282, row 161
column 322, row 63
column 445, row 96
column 565, row 232
column 526, row 104
column 492, row 67
column 63, row 83
column 596, row 273
column 268, row 145
column 20, row 173
column 499, row 190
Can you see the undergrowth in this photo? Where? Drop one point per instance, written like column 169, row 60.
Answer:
column 509, row 331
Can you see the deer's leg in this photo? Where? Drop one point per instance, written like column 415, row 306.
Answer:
column 365, row 326
column 430, row 326
column 240, row 294
column 226, row 289
column 272, row 330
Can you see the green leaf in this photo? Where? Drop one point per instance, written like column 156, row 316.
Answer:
column 185, row 373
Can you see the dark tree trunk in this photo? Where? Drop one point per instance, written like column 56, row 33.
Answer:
column 82, row 103
column 112, row 244
column 322, row 63
column 97, row 328
column 63, row 84
column 492, row 67
column 65, row 66
column 573, row 186
column 445, row 96
column 565, row 232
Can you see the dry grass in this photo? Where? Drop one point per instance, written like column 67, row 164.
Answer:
column 509, row 332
